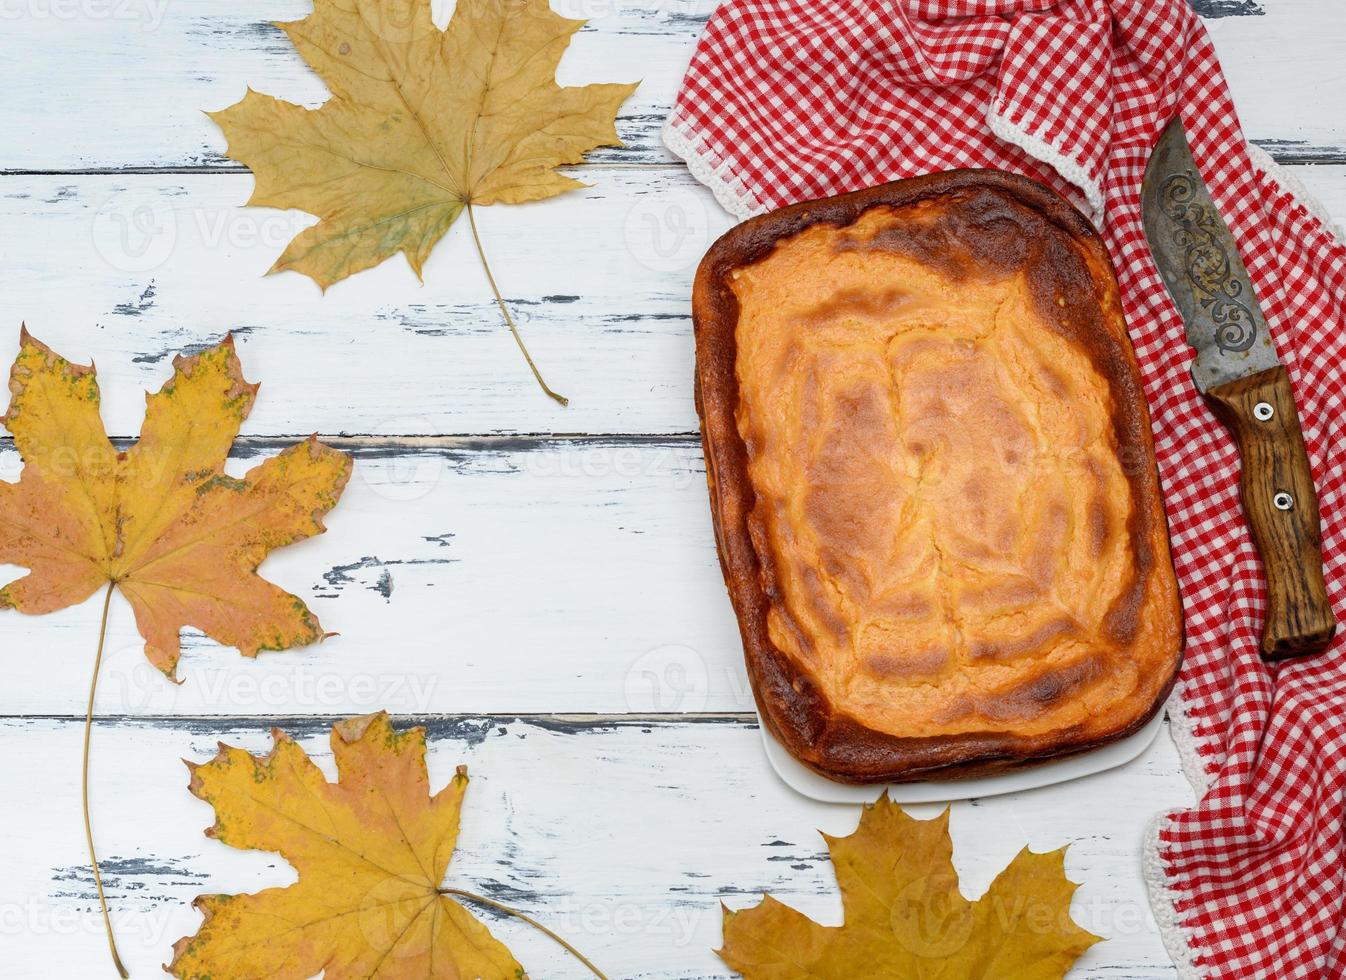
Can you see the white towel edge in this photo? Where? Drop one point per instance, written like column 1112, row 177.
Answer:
column 1292, row 185
column 730, row 191
column 1178, row 940
column 1182, row 728
column 1056, row 158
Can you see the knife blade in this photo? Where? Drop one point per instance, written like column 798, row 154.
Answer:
column 1239, row 372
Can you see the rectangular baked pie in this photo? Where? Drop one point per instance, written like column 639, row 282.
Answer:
column 932, row 479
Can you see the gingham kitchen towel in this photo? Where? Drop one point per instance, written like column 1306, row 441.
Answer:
column 787, row 100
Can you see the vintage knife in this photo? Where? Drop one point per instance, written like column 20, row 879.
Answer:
column 1238, row 371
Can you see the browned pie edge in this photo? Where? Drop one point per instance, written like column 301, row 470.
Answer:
column 791, row 705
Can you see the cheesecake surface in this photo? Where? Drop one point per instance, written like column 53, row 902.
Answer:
column 933, row 481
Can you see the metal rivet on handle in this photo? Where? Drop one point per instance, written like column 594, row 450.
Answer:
column 1283, row 501
column 1263, row 412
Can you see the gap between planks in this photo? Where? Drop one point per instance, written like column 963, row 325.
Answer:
column 445, row 725
column 1286, row 152
column 368, row 445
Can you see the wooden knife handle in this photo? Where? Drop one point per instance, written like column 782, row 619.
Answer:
column 1282, row 508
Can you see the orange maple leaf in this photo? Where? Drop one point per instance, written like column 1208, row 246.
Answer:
column 162, row 521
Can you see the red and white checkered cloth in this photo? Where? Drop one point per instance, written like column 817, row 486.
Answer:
column 787, row 100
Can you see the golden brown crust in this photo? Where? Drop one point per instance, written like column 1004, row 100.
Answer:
column 916, row 290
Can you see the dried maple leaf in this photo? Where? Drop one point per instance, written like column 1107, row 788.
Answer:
column 371, row 851
column 421, row 124
column 905, row 917
column 162, row 522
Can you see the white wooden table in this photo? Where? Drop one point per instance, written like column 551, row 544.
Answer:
column 538, row 586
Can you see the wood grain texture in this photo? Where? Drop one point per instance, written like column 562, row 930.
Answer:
column 463, row 575
column 166, row 262
column 1212, row 9
column 1281, row 503
column 1279, row 56
column 623, row 833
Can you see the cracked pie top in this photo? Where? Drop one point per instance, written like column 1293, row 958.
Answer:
column 932, row 479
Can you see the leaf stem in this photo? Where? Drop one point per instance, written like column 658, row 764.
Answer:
column 531, row 921
column 500, row 301
column 88, row 825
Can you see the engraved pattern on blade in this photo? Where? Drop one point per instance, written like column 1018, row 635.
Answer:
column 1207, row 264
column 1199, row 263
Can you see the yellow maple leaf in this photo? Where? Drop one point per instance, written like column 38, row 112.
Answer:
column 162, row 521
column 905, row 917
column 371, row 851
column 421, row 124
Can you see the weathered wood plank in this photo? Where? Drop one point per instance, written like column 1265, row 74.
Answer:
column 600, row 280
column 1214, row 9
column 623, row 834
column 486, row 575
column 1279, row 57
